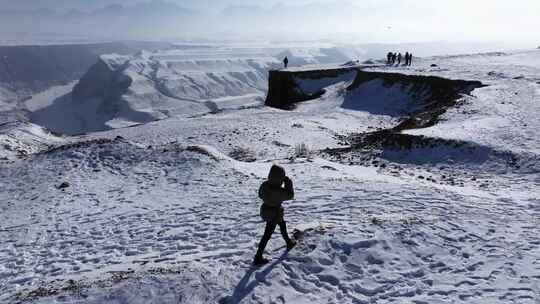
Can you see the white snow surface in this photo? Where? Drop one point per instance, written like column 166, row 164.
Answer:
column 161, row 212
column 19, row 139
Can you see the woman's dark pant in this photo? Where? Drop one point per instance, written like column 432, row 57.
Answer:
column 268, row 231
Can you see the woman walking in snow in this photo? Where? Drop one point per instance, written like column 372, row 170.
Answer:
column 274, row 191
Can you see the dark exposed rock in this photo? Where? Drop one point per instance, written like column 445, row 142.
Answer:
column 284, row 91
column 63, row 185
column 329, row 168
column 279, row 144
column 243, row 154
column 102, row 81
column 388, row 139
column 81, row 144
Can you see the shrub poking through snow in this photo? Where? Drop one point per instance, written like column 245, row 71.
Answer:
column 243, row 154
column 376, row 221
column 302, row 151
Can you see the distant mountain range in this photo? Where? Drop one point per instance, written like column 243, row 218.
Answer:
column 141, row 20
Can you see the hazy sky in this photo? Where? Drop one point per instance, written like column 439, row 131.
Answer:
column 384, row 20
column 455, row 5
column 93, row 4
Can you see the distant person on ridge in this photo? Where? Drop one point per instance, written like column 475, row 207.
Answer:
column 274, row 191
column 399, row 59
column 394, row 58
column 389, row 58
column 286, row 61
column 407, row 58
column 410, row 59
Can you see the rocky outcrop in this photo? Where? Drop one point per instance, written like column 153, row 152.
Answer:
column 418, row 100
column 285, row 87
column 104, row 80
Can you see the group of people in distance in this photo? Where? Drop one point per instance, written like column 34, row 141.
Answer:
column 392, row 58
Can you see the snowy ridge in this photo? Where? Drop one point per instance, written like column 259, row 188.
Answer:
column 122, row 91
column 29, row 70
column 185, row 80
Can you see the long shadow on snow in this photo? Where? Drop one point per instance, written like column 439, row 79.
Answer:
column 379, row 98
column 419, row 150
column 398, row 95
column 245, row 287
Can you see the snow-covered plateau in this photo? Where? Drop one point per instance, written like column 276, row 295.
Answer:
column 138, row 183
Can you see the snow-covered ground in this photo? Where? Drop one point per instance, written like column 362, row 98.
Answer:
column 167, row 212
